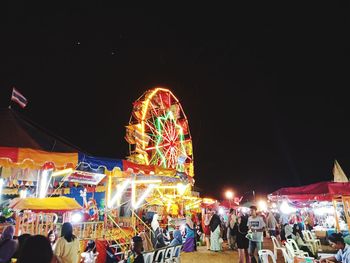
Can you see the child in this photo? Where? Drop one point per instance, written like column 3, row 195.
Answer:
column 90, row 254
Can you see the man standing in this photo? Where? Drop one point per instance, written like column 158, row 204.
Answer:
column 256, row 225
column 271, row 224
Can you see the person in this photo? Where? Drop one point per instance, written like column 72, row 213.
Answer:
column 90, row 254
column 36, row 249
column 336, row 241
column 67, row 246
column 271, row 224
column 146, row 240
column 231, row 237
column 8, row 245
column 215, row 229
column 256, row 225
column 52, row 237
column 166, row 235
column 299, row 239
column 284, row 219
column 288, row 232
column 206, row 230
column 157, row 234
column 199, row 232
column 135, row 254
column 241, row 230
column 177, row 240
column 20, row 240
column 309, row 222
column 190, row 242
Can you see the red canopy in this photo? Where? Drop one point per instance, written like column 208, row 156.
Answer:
column 322, row 191
column 227, row 204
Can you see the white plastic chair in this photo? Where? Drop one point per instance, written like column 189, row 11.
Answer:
column 148, row 257
column 314, row 242
column 177, row 253
column 159, row 255
column 264, row 255
column 289, row 254
column 296, row 249
column 169, row 254
column 288, row 258
column 276, row 246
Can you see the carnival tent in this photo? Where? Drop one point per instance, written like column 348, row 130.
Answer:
column 321, row 191
column 17, row 131
column 49, row 204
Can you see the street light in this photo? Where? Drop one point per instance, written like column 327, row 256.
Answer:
column 229, row 195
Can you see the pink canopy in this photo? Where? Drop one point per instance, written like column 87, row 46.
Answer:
column 322, row 191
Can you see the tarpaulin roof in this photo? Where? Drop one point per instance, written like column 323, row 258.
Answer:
column 17, row 131
column 35, row 159
column 48, row 204
column 321, row 191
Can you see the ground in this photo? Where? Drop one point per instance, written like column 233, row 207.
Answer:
column 204, row 256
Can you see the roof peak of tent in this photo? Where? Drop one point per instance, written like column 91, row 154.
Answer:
column 20, row 131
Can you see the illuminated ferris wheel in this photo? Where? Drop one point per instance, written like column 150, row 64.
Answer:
column 158, row 132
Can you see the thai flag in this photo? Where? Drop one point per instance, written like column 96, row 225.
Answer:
column 19, row 98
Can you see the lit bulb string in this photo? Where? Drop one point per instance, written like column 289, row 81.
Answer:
column 170, row 132
column 173, row 135
column 146, row 98
column 87, row 164
column 145, row 110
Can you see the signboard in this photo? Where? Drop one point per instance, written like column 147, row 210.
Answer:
column 83, row 177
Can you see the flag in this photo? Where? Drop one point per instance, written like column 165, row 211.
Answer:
column 338, row 173
column 19, row 98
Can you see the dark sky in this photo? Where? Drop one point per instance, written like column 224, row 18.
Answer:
column 265, row 92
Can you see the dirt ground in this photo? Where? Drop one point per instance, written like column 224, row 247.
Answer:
column 204, row 256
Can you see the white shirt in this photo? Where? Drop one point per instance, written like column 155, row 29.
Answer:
column 89, row 257
column 256, row 223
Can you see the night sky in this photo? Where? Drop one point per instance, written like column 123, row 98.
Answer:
column 265, row 92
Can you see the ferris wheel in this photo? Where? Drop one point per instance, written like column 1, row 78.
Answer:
column 158, row 132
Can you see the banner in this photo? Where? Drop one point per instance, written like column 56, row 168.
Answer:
column 82, row 177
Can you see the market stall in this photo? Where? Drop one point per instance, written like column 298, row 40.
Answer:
column 326, row 202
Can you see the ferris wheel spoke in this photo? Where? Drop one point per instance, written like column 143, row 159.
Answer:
column 153, row 158
column 167, row 137
column 151, row 127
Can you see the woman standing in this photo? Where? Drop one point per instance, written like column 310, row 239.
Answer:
column 190, row 242
column 67, row 246
column 214, row 225
column 52, row 238
column 157, row 234
column 241, row 230
column 206, row 229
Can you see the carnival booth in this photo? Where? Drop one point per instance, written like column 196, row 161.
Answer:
column 37, row 216
column 325, row 205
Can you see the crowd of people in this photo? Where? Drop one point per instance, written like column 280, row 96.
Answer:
column 45, row 249
column 244, row 232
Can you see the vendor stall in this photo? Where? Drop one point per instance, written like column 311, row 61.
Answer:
column 328, row 203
